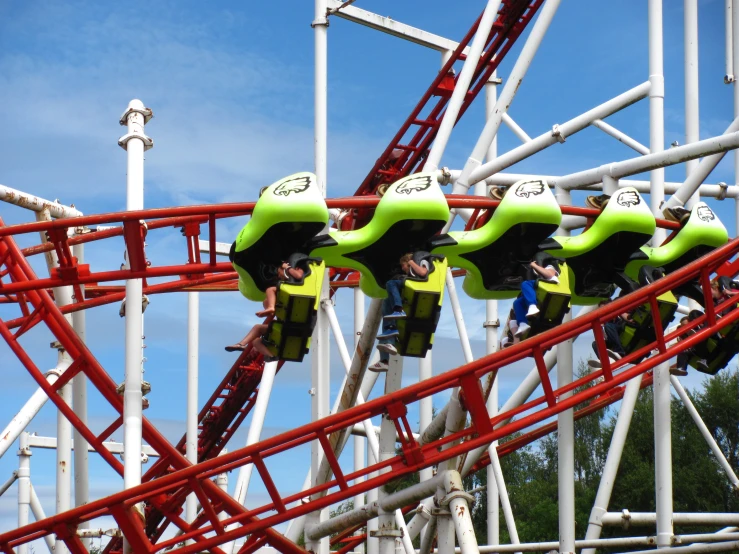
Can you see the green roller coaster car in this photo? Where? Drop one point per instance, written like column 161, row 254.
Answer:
column 702, row 233
column 287, row 215
column 497, row 255
column 597, row 257
column 410, row 212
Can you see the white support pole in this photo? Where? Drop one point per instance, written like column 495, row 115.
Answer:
column 656, row 111
column 255, row 430
column 425, row 408
column 499, row 482
column 620, row 136
column 38, row 514
column 692, row 119
column 135, row 142
column 296, row 526
column 491, row 326
column 565, row 429
column 64, row 453
column 513, row 83
column 388, row 532
column 458, row 503
column 372, row 542
column 36, row 204
column 369, row 430
column 662, row 424
column 462, row 86
column 28, row 412
column 9, row 483
column 458, row 317
column 713, row 149
column 359, row 442
column 191, row 413
column 729, row 76
column 723, row 462
column 79, row 403
column 24, row 487
column 559, row 133
column 513, row 126
column 613, row 459
column 320, row 373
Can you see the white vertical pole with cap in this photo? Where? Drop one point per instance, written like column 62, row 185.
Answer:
column 135, row 142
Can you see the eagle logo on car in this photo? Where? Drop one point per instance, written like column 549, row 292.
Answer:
column 628, row 198
column 533, row 188
column 414, row 184
column 297, row 185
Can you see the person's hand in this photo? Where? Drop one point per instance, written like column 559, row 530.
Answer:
column 532, row 265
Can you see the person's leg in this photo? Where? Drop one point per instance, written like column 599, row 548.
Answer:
column 269, row 302
column 255, row 332
column 528, row 289
column 613, row 338
column 519, row 308
column 394, row 288
column 259, row 346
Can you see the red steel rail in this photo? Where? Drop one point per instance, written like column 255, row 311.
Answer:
column 414, row 457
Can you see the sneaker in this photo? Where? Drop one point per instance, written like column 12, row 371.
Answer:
column 379, row 367
column 597, row 202
column 701, row 365
column 678, row 371
column 613, row 355
column 497, row 193
column 505, row 342
column 396, row 315
column 388, row 347
column 522, row 329
column 533, row 311
column 595, row 364
column 391, row 334
column 677, row 214
column 554, row 280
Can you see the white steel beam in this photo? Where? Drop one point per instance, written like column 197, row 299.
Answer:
column 392, row 27
column 135, row 142
column 513, row 83
column 36, row 203
column 620, row 136
column 713, row 148
column 516, row 128
column 462, row 85
column 559, row 133
column 49, row 443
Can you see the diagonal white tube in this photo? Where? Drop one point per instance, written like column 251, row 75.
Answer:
column 462, row 86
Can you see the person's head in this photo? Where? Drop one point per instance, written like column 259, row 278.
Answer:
column 405, row 262
column 684, row 321
column 715, row 289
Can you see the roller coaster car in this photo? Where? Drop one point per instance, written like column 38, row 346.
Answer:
column 287, row 215
column 411, row 211
column 422, row 298
column 701, row 233
column 497, row 255
column 640, row 333
column 597, row 257
column 717, row 350
column 552, row 299
column 289, row 333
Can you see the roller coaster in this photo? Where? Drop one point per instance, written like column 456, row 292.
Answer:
column 609, row 268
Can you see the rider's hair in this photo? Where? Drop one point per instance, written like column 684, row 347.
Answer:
column 406, row 258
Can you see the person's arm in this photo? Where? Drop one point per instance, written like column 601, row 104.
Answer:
column 626, row 316
column 419, row 270
column 296, row 273
column 546, row 273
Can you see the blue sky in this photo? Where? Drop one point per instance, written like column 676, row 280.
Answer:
column 231, row 86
